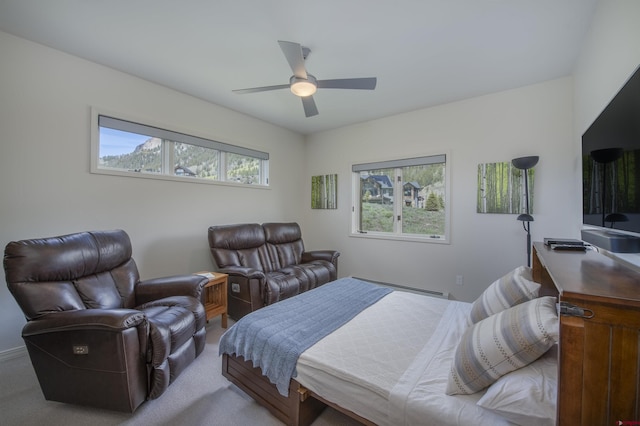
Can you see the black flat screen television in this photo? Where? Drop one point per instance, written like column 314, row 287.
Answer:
column 611, row 163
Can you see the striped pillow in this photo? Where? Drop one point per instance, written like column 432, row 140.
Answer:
column 503, row 343
column 513, row 288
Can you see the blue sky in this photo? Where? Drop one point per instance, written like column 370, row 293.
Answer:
column 117, row 142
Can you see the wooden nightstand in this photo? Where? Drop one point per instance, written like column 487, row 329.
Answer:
column 214, row 296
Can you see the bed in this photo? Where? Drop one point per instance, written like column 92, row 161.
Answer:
column 391, row 362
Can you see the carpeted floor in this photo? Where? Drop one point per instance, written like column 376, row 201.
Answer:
column 200, row 396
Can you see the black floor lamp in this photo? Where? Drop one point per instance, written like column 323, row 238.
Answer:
column 526, row 163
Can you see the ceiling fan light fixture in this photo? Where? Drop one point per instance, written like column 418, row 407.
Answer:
column 303, row 86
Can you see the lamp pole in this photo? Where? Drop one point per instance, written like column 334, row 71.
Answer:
column 526, row 163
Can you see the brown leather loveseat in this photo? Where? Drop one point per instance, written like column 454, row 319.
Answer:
column 267, row 263
column 95, row 333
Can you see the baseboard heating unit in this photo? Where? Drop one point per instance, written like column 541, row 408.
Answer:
column 399, row 287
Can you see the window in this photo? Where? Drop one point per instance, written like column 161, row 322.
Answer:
column 402, row 199
column 124, row 147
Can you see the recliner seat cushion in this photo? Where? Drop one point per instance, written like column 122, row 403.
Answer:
column 315, row 273
column 295, row 279
column 280, row 285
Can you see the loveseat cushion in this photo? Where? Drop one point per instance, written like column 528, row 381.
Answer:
column 314, row 274
column 284, row 244
column 239, row 245
column 296, row 279
column 278, row 233
column 280, row 285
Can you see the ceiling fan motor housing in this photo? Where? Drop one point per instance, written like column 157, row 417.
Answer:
column 303, row 86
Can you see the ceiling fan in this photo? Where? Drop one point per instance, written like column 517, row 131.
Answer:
column 303, row 84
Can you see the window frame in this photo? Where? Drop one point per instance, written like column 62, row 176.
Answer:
column 398, row 194
column 130, row 123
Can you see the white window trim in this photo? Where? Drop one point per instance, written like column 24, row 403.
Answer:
column 355, row 204
column 95, row 150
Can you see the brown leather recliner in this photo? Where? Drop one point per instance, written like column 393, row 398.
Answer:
column 95, row 333
column 267, row 263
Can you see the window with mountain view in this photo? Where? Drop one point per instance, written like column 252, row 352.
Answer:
column 135, row 149
column 401, row 199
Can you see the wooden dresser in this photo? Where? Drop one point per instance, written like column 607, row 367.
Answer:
column 599, row 361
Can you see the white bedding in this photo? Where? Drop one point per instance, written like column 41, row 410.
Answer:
column 400, row 334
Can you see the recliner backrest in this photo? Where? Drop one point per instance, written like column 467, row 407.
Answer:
column 284, row 244
column 77, row 271
column 239, row 245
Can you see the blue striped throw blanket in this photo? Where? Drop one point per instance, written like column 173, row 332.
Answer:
column 274, row 337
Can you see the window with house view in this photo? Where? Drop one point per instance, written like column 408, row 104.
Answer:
column 402, row 198
column 135, row 149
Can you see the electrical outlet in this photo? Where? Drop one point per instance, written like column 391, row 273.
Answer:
column 459, row 280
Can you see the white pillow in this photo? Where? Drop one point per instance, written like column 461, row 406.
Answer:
column 511, row 289
column 503, row 343
column 527, row 396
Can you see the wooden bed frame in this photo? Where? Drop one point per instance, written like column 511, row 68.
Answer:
column 302, row 406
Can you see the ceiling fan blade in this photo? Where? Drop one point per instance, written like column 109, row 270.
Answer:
column 309, row 106
column 293, row 52
column 348, row 83
column 261, row 89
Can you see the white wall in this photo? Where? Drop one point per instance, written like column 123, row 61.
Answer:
column 610, row 54
column 534, row 120
column 46, row 188
column 547, row 119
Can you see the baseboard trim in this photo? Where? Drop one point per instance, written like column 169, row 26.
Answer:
column 13, row 353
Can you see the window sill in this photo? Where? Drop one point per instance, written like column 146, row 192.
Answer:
column 410, row 238
column 189, row 179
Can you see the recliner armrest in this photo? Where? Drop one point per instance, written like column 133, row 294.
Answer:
column 328, row 255
column 177, row 285
column 85, row 319
column 248, row 273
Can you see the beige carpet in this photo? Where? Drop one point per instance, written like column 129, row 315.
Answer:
column 200, row 396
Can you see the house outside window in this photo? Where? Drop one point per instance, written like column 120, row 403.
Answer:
column 402, row 199
column 123, row 147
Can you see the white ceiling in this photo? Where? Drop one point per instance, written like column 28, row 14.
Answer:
column 423, row 52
